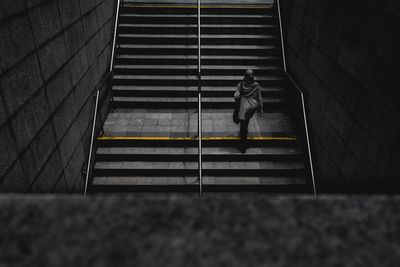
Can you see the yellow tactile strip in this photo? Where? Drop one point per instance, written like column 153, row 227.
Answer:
column 195, row 6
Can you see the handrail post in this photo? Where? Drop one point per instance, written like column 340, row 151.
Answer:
column 89, row 163
column 199, row 96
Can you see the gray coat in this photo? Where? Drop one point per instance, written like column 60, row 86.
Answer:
column 250, row 102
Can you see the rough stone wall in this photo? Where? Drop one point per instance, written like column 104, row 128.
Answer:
column 346, row 55
column 52, row 55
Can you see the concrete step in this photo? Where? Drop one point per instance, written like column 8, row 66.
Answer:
column 192, row 60
column 186, row 154
column 137, row 18
column 194, row 67
column 186, row 91
column 192, row 10
column 179, row 168
column 192, row 39
column 187, row 94
column 191, row 80
column 207, row 165
column 192, row 180
column 186, row 88
column 144, row 180
column 193, row 77
column 253, row 50
column 169, row 28
column 190, row 184
column 217, row 70
column 270, row 104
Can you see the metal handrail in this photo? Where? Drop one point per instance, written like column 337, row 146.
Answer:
column 115, row 34
column 281, row 32
column 96, row 108
column 306, row 130
column 301, row 95
column 89, row 164
column 199, row 95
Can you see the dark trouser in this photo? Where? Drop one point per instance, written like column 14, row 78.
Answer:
column 244, row 124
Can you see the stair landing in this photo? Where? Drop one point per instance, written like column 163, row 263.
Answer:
column 185, row 123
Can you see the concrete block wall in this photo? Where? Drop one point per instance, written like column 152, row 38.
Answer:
column 53, row 54
column 346, row 56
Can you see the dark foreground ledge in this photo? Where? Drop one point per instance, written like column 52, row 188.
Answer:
column 188, row 231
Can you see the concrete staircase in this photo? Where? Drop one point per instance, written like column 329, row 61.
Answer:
column 150, row 140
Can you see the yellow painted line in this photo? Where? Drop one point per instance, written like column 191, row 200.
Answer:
column 195, row 6
column 138, row 138
column 211, row 138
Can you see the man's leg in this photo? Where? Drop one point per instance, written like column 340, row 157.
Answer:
column 244, row 124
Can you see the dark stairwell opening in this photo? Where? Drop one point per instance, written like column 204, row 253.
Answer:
column 56, row 55
column 149, row 139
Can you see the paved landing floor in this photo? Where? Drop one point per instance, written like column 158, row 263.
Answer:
column 184, row 124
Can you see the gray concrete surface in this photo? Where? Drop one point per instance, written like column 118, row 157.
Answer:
column 53, row 54
column 178, row 230
column 346, row 56
column 184, row 124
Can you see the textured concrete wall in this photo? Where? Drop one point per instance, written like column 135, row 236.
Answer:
column 183, row 230
column 53, row 54
column 346, row 55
